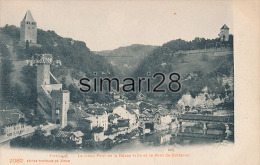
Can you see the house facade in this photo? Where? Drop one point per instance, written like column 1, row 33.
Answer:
column 98, row 118
column 12, row 123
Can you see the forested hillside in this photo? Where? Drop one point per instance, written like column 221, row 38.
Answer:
column 73, row 54
column 200, row 63
column 126, row 59
column 18, row 80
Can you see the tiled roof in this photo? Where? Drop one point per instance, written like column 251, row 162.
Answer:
column 96, row 111
column 78, row 134
column 163, row 112
column 62, row 134
column 130, row 111
column 146, row 114
column 11, row 116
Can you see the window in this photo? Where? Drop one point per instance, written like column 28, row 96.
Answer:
column 28, row 27
column 57, row 111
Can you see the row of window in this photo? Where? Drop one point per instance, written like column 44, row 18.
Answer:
column 29, row 27
column 33, row 23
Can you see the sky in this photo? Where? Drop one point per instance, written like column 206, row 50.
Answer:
column 106, row 25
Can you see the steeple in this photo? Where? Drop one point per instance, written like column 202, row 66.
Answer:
column 28, row 17
column 225, row 27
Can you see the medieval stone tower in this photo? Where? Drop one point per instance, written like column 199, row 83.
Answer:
column 28, row 29
column 224, row 33
column 43, row 73
column 60, row 106
column 53, row 102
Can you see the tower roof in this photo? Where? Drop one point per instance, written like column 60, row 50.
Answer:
column 44, row 60
column 28, row 17
column 224, row 27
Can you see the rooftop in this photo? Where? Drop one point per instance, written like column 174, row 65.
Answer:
column 224, row 27
column 28, row 16
column 11, row 116
column 78, row 134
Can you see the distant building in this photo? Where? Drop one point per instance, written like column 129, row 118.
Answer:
column 112, row 118
column 162, row 116
column 98, row 118
column 224, row 33
column 12, row 123
column 145, row 117
column 28, row 29
column 76, row 137
column 126, row 114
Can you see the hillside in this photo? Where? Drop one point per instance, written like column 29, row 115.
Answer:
column 76, row 58
column 73, row 54
column 198, row 68
column 126, row 59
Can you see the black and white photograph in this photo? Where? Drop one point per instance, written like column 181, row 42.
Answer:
column 153, row 81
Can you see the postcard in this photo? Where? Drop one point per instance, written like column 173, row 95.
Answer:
column 123, row 82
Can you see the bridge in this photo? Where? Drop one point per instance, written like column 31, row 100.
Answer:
column 206, row 118
column 227, row 121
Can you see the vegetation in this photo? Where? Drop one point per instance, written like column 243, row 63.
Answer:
column 203, row 70
column 6, row 70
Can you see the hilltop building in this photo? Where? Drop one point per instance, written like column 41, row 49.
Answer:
column 28, row 29
column 224, row 33
column 52, row 100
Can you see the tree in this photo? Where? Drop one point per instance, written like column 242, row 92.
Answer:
column 27, row 45
column 68, row 128
column 6, row 70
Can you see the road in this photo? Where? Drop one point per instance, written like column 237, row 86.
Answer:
column 46, row 128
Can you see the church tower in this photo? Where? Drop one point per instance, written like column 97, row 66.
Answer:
column 28, row 29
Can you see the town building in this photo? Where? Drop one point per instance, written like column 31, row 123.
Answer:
column 145, row 117
column 162, row 116
column 98, row 117
column 112, row 118
column 12, row 123
column 126, row 114
column 76, row 137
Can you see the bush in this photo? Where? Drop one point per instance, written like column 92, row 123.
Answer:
column 97, row 129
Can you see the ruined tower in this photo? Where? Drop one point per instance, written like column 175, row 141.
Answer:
column 28, row 29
